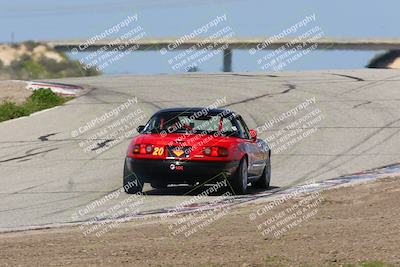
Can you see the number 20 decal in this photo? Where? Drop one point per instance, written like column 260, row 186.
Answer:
column 158, row 151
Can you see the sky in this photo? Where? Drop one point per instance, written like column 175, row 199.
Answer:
column 81, row 20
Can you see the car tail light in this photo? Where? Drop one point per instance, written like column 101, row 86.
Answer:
column 207, row 151
column 149, row 149
column 142, row 149
column 215, row 151
column 222, row 152
column 136, row 149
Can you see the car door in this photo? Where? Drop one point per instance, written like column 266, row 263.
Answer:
column 256, row 157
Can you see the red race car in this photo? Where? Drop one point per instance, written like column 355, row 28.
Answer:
column 196, row 145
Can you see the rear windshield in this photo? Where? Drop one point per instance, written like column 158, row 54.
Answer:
column 192, row 123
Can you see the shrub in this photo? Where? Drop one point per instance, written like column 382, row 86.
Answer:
column 9, row 110
column 43, row 98
column 30, row 45
column 40, row 99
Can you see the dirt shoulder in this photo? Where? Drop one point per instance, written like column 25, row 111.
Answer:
column 13, row 91
column 342, row 226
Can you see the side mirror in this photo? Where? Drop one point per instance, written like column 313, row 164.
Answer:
column 140, row 128
column 253, row 135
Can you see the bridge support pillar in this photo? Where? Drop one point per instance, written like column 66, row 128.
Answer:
column 227, row 60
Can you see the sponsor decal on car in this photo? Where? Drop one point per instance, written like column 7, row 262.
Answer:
column 174, row 167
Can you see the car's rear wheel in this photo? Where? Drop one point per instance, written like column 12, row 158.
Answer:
column 239, row 180
column 131, row 182
column 265, row 179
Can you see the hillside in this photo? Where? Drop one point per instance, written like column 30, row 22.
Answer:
column 31, row 60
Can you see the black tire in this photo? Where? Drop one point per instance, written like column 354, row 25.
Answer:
column 239, row 180
column 159, row 185
column 131, row 182
column 265, row 178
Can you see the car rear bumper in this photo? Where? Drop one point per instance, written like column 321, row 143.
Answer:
column 176, row 172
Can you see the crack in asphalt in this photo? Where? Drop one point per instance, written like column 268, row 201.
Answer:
column 46, row 137
column 102, row 144
column 368, row 85
column 28, row 155
column 255, row 76
column 291, row 87
column 349, row 76
column 305, row 176
column 362, row 104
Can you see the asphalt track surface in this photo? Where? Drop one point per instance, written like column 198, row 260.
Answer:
column 46, row 177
